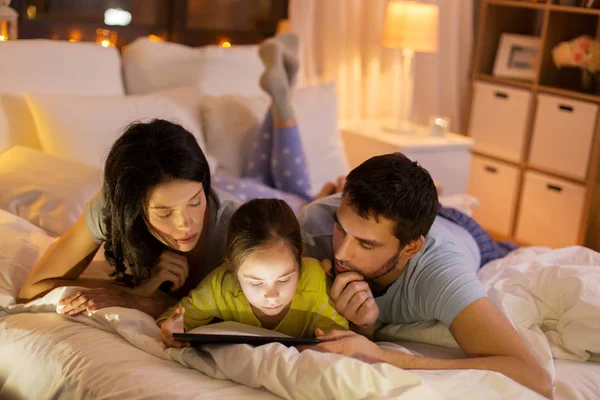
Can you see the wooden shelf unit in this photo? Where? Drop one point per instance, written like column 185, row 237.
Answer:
column 552, row 23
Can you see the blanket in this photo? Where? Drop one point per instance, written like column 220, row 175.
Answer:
column 282, row 371
column 552, row 298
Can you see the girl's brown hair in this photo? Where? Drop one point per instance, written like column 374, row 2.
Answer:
column 258, row 224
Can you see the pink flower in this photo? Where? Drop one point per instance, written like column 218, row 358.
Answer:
column 585, row 45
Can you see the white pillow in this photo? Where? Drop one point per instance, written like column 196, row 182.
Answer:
column 74, row 68
column 233, row 71
column 48, row 191
column 231, row 123
column 21, row 247
column 83, row 128
column 150, row 66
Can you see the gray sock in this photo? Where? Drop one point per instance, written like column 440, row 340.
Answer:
column 291, row 62
column 274, row 80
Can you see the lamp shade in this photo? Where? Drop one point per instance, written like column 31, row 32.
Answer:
column 411, row 25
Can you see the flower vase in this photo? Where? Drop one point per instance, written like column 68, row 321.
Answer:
column 588, row 81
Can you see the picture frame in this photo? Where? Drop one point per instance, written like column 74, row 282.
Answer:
column 517, row 56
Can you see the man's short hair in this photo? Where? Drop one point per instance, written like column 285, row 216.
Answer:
column 394, row 187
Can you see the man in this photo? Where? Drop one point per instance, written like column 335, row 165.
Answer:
column 396, row 261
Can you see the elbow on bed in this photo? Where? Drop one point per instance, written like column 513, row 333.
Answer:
column 544, row 384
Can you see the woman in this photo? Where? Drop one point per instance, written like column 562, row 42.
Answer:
column 157, row 215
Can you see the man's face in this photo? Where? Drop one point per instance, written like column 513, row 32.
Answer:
column 364, row 245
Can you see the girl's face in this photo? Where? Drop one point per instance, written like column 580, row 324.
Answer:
column 176, row 210
column 269, row 278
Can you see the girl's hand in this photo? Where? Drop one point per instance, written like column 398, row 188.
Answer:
column 170, row 267
column 173, row 324
column 90, row 300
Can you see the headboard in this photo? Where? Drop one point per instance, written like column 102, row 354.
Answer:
column 190, row 22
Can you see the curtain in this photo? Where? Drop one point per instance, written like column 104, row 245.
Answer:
column 340, row 41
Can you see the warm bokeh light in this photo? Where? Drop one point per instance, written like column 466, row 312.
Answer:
column 283, row 26
column 117, row 16
column 3, row 38
column 225, row 44
column 31, row 12
column 154, row 38
column 75, row 36
column 106, row 38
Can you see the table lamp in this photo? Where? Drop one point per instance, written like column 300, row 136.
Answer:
column 8, row 21
column 409, row 27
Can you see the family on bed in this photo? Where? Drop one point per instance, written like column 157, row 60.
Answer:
column 373, row 248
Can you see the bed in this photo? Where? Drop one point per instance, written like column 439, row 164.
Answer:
column 47, row 174
column 117, row 354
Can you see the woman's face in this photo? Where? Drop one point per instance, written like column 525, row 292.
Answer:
column 269, row 278
column 176, row 213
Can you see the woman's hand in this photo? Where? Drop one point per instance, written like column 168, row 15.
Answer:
column 90, row 300
column 170, row 267
column 171, row 325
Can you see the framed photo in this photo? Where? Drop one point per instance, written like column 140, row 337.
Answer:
column 517, row 56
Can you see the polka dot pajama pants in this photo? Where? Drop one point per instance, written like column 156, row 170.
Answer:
column 275, row 168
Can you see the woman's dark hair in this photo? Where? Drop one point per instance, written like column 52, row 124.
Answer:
column 394, row 187
column 146, row 155
column 258, row 224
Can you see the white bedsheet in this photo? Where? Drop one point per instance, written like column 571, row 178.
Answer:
column 552, row 298
column 46, row 355
column 577, row 380
column 283, row 371
column 574, row 380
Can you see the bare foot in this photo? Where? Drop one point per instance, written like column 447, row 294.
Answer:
column 340, row 183
column 327, row 190
column 330, row 188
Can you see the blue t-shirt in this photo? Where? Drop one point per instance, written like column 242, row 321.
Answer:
column 437, row 284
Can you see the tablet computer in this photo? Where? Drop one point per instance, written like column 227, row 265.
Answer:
column 200, row 339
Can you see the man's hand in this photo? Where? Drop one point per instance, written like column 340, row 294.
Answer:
column 352, row 297
column 347, row 343
column 171, row 267
column 173, row 324
column 90, row 300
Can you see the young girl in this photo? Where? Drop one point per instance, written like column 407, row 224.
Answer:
column 264, row 281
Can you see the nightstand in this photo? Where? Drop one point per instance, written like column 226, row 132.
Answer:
column 447, row 158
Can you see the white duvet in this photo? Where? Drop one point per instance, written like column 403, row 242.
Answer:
column 552, row 298
column 116, row 353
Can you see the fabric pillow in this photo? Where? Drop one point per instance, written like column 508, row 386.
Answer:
column 150, row 66
column 21, row 247
column 74, row 68
column 83, row 128
column 233, row 71
column 48, row 191
column 231, row 123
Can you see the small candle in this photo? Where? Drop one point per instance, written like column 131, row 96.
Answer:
column 439, row 126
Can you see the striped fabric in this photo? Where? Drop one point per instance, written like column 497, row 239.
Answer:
column 489, row 249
